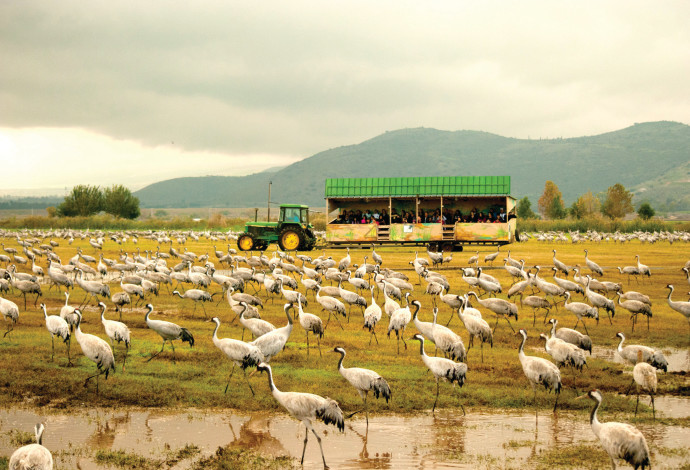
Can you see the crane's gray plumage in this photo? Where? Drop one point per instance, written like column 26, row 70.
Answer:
column 96, row 350
column 92, row 288
column 564, row 353
column 116, row 331
column 502, row 308
column 571, row 336
column 447, row 340
column 331, row 305
column 240, row 353
column 651, row 356
column 307, row 407
column 256, row 326
column 442, row 368
column 168, row 331
column 56, row 326
column 636, row 307
column 619, row 440
column 681, row 307
column 539, row 371
column 10, row 312
column 580, row 310
column 594, row 267
column 599, row 300
column 372, row 315
column 477, row 327
column 310, row 323
column 364, row 381
column 198, row 296
column 32, row 456
column 274, row 341
column 399, row 320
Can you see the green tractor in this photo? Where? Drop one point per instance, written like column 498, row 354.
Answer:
column 292, row 232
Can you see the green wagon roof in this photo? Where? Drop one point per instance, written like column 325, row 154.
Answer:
column 418, row 186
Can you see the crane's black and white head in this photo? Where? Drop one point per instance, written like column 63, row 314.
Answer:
column 419, row 338
column 595, row 395
column 543, row 336
column 216, row 320
column 263, row 367
column 553, row 321
column 102, row 305
column 38, row 431
column 522, row 333
column 339, row 350
column 620, row 335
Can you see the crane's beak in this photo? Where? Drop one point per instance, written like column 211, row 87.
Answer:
column 582, row 396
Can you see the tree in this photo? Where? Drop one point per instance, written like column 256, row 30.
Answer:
column 618, row 202
column 524, row 209
column 586, row 206
column 645, row 211
column 120, row 202
column 82, row 201
column 547, row 207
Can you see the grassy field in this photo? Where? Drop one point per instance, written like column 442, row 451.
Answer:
column 198, row 377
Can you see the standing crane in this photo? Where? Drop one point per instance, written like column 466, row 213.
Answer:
column 583, row 342
column 376, row 257
column 399, row 320
column 539, row 371
column 96, row 350
column 351, row 298
column 274, row 341
column 600, row 301
column 448, row 341
column 256, row 326
column 491, row 257
column 197, row 295
column 681, row 307
column 240, row 353
column 32, row 456
column 307, row 407
column 651, row 356
column 619, row 440
column 580, row 310
column 635, row 307
column 168, row 331
column 560, row 266
column 25, row 287
column 345, row 262
column 92, row 288
column 442, row 368
column 502, row 308
column 564, row 353
column 643, row 269
column 364, row 380
column 331, row 305
column 476, row 327
column 644, row 377
column 116, row 331
column 594, row 267
column 310, row 323
column 372, row 315
column 10, row 312
column 56, row 326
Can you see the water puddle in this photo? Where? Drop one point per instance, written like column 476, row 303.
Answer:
column 484, row 439
column 678, row 359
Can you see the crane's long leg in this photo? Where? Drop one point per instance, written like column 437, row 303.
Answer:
column 307, row 343
column 231, row 372
column 511, row 326
column 653, row 409
column 373, row 335
column 318, row 341
column 585, row 325
column 630, row 387
column 69, row 346
column 204, row 308
column 556, row 404
column 52, row 353
column 247, row 379
column 318, row 439
column 435, row 401
column 496, row 325
column 306, row 438
column 149, row 359
column 637, row 403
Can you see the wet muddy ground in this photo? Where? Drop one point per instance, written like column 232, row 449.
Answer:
column 482, row 439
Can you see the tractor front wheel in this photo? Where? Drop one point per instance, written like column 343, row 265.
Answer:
column 246, row 242
column 290, row 239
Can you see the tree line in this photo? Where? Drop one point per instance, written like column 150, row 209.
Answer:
column 614, row 204
column 86, row 200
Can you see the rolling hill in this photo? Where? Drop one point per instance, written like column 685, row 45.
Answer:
column 650, row 158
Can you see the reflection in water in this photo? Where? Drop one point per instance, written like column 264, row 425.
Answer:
column 445, row 440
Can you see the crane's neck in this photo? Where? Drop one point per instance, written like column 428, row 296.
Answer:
column 340, row 362
column 421, row 347
column 620, row 345
column 553, row 329
column 45, row 314
column 289, row 318
column 271, row 385
column 521, row 351
column 215, row 331
column 594, row 421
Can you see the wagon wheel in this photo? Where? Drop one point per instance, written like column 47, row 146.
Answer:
column 290, row 239
column 246, row 242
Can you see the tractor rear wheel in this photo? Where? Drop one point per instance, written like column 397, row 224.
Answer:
column 246, row 242
column 290, row 239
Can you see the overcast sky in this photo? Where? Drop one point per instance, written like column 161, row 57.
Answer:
column 132, row 92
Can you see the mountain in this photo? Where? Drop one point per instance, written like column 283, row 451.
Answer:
column 649, row 158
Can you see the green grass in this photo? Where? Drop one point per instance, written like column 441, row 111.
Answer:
column 122, row 459
column 198, row 377
column 227, row 458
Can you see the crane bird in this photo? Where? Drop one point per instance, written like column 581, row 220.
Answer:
column 600, row 301
column 10, row 312
column 643, row 269
column 539, row 371
column 376, row 257
column 580, row 310
column 274, row 341
column 502, row 308
column 635, row 307
column 96, row 350
column 442, row 368
column 491, row 257
column 120, row 299
column 583, row 342
column 372, row 315
column 116, row 331
column 619, row 440
column 240, row 353
column 560, row 266
column 197, row 295
column 651, row 356
column 257, row 326
column 92, row 288
column 681, row 307
column 447, row 340
column 25, row 287
column 56, row 326
column 564, row 353
column 331, row 305
column 566, row 284
column 168, row 331
column 307, row 407
column 399, row 320
column 536, row 303
column 644, row 377
column 476, row 327
column 594, row 267
column 351, row 298
column 32, row 456
column 345, row 262
column 310, row 323
column 364, row 380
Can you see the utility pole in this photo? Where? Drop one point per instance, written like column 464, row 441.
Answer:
column 269, row 200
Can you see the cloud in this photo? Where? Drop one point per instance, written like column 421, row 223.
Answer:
column 295, row 78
